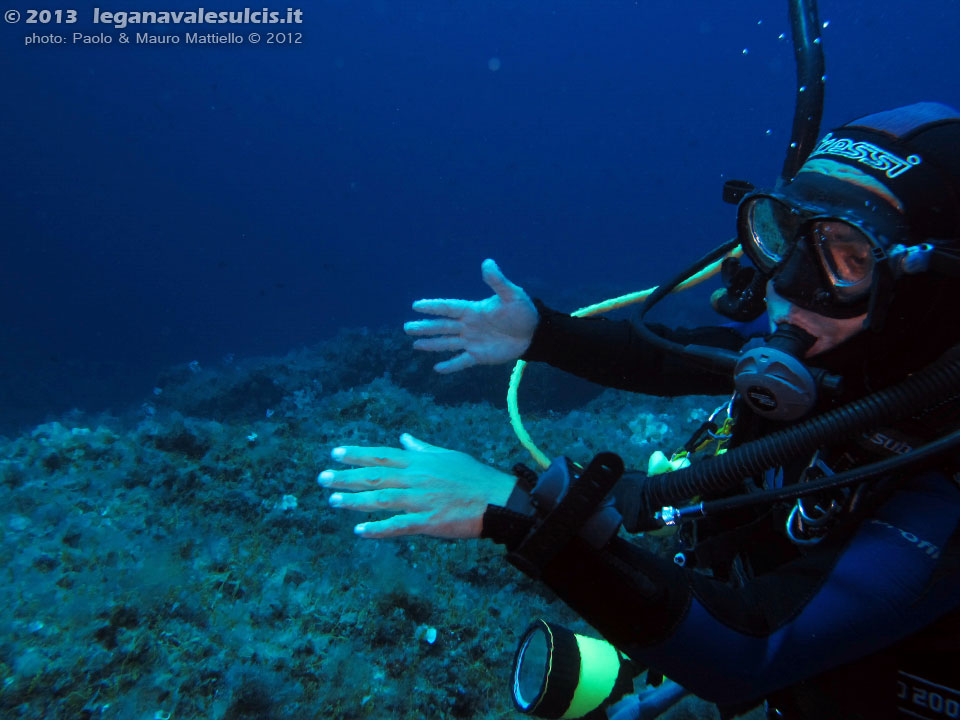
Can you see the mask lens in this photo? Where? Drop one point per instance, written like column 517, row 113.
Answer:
column 846, row 255
column 767, row 229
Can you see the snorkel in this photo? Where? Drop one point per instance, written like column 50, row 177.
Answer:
column 742, row 300
column 811, row 75
column 772, row 378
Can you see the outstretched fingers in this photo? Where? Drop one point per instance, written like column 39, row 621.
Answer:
column 409, row 442
column 439, row 344
column 396, row 499
column 409, row 524
column 371, row 456
column 497, row 281
column 442, row 308
column 363, row 479
column 420, row 328
column 456, row 364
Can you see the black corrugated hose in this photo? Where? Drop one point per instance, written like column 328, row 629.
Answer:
column 717, row 475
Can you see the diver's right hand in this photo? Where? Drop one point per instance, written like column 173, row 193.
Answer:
column 486, row 332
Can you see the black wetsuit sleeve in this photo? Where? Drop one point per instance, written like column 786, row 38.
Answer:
column 732, row 644
column 614, row 354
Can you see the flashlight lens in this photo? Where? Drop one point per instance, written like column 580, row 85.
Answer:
column 531, row 668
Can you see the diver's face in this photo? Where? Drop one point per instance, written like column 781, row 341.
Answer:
column 829, row 332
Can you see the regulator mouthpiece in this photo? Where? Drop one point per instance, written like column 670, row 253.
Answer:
column 774, row 381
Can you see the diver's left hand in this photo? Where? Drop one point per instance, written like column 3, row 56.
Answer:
column 434, row 491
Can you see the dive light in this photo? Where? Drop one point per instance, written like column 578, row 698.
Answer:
column 558, row 673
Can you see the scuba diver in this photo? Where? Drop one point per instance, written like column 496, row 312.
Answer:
column 817, row 559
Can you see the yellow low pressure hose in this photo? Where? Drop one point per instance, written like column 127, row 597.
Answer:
column 606, row 306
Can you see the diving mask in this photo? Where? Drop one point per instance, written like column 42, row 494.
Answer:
column 825, row 262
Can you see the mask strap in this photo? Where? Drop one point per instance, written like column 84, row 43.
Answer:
column 881, row 293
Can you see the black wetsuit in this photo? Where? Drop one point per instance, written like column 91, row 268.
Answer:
column 863, row 624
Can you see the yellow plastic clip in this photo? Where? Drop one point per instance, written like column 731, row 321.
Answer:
column 723, row 435
column 660, row 463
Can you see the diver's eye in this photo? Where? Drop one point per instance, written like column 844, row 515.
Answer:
column 844, row 251
column 850, row 259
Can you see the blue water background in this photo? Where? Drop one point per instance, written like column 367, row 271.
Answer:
column 169, row 204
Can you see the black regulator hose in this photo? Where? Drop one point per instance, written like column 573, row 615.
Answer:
column 717, row 475
column 713, row 360
column 811, row 74
column 668, row 287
